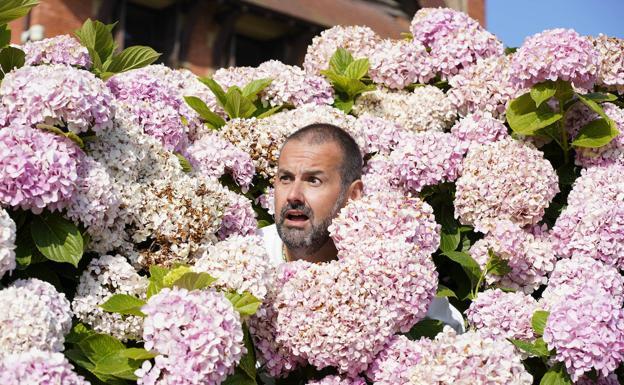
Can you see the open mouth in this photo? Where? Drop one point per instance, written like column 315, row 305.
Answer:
column 296, row 216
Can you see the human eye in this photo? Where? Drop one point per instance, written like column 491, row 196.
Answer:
column 285, row 178
column 314, row 181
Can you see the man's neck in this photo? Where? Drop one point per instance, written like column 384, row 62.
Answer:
column 326, row 253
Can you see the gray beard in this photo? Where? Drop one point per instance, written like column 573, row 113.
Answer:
column 308, row 241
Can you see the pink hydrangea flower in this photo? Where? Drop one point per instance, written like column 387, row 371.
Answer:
column 393, row 364
column 570, row 57
column 380, row 135
column 611, row 73
column 58, row 95
column 198, row 334
column 38, row 169
column 37, row 367
column 62, row 49
column 399, row 63
column 239, row 218
column 337, row 380
column 479, row 128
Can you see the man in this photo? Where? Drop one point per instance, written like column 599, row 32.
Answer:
column 319, row 170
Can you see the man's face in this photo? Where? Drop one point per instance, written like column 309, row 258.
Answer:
column 308, row 193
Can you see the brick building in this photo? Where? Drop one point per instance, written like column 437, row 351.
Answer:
column 205, row 34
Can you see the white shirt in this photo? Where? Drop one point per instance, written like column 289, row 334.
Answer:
column 440, row 308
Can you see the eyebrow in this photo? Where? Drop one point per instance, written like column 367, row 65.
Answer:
column 312, row 172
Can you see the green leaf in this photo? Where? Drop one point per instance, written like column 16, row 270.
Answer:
column 78, row 333
column 449, row 240
column 173, row 275
column 98, row 346
column 426, row 328
column 216, row 90
column 268, row 112
column 543, row 91
column 251, row 90
column 11, row 58
column 137, row 354
column 525, row 118
column 14, row 9
column 593, row 106
column 5, row 36
column 444, row 291
column 338, row 81
column 236, row 105
column 57, row 238
column 79, row 358
column 246, row 304
column 496, row 265
column 344, row 105
column 470, row 266
column 565, row 92
column 117, row 366
column 538, row 321
column 239, row 377
column 556, row 376
column 75, row 138
column 357, row 69
column 194, row 281
column 184, row 163
column 596, row 133
column 340, row 60
column 537, row 349
column 97, row 37
column 134, row 57
column 204, row 112
column 156, row 280
column 600, row 97
column 124, row 304
column 248, row 361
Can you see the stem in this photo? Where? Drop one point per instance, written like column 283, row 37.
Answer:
column 479, row 282
column 564, row 135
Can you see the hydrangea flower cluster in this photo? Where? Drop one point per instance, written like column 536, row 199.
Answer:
column 363, row 226
column 62, row 49
column 337, row 380
column 530, row 256
column 454, row 39
column 611, row 379
column 37, row 169
column 214, row 156
column 506, row 179
column 239, row 263
column 485, row 86
column 104, row 277
column 360, row 41
column 276, row 359
column 198, row 334
column 34, row 316
column 326, row 311
column 613, row 152
column 154, row 104
column 58, row 95
column 479, row 128
column 380, row 135
column 500, row 315
column 239, row 217
column 398, row 63
column 263, row 138
column 7, row 243
column 570, row 57
column 36, row 367
column 586, row 333
column 611, row 72
column 573, row 277
column 95, row 202
column 425, row 109
column 426, row 159
column 392, row 366
column 469, row 359
column 592, row 224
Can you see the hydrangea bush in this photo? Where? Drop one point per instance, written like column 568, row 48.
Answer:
column 131, row 195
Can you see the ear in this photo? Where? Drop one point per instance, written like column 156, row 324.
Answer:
column 356, row 189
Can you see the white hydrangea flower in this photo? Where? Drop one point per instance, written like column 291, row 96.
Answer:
column 7, row 243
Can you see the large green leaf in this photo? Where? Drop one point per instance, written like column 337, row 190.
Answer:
column 538, row 349
column 248, row 361
column 98, row 346
column 134, row 57
column 14, row 9
column 593, row 105
column 596, row 133
column 117, row 366
column 496, row 265
column 340, row 60
column 556, row 376
column 357, row 69
column 156, row 280
column 525, row 118
column 78, row 333
column 246, row 304
column 538, row 321
column 137, row 354
column 216, row 89
column 5, row 35
column 251, row 90
column 11, row 58
column 426, row 328
column 57, row 238
column 236, row 105
column 97, row 37
column 239, row 377
column 124, row 304
column 204, row 112
column 543, row 91
column 444, row 291
column 470, row 266
column 344, row 105
column 194, row 281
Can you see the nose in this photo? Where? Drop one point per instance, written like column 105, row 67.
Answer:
column 295, row 193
